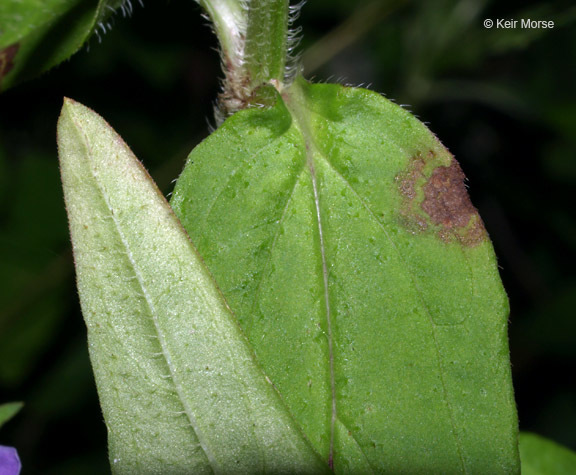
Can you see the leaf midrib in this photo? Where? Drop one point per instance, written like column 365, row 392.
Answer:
column 424, row 305
column 296, row 104
column 301, row 123
column 310, row 163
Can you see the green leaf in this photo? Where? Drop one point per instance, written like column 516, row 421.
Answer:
column 541, row 456
column 340, row 231
column 179, row 388
column 8, row 411
column 35, row 35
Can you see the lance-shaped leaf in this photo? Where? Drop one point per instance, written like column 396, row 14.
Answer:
column 35, row 35
column 179, row 388
column 340, row 231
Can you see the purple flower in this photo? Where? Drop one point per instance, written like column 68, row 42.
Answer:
column 9, row 461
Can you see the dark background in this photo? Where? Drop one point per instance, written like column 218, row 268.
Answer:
column 503, row 101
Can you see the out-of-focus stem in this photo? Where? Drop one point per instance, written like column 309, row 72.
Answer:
column 349, row 32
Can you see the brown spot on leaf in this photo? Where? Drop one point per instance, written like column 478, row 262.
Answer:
column 446, row 199
column 435, row 197
column 7, row 59
column 408, row 180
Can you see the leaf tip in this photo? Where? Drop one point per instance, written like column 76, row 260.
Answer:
column 70, row 109
column 69, row 104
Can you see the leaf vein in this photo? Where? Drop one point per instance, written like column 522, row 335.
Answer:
column 231, row 175
column 275, row 240
column 316, row 195
column 358, row 445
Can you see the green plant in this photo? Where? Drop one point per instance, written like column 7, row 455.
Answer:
column 340, row 213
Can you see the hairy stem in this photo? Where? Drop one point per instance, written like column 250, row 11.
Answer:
column 253, row 36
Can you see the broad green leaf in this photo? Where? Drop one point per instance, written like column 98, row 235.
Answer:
column 179, row 388
column 8, row 411
column 541, row 456
column 340, row 231
column 35, row 35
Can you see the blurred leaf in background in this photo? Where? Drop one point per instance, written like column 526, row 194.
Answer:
column 36, row 35
column 8, row 411
column 541, row 456
column 503, row 101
